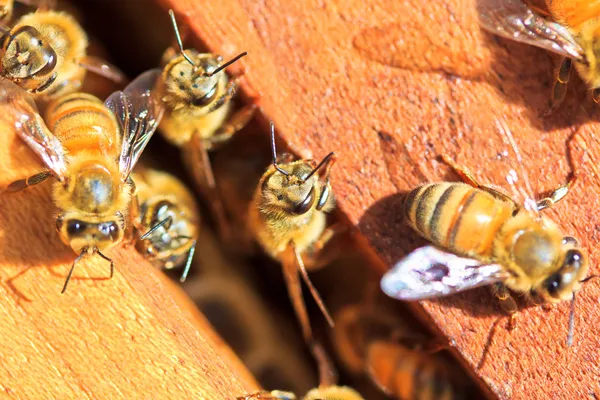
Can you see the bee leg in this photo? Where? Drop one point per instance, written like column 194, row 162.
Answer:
column 467, row 177
column 199, row 162
column 317, row 258
column 235, row 123
column 556, row 195
column 188, row 262
column 507, row 303
column 112, row 263
column 103, row 68
column 560, row 86
column 291, row 263
column 133, row 215
column 22, row 184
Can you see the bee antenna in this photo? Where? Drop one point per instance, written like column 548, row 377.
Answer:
column 274, row 151
column 178, row 38
column 227, row 64
column 589, row 278
column 165, row 221
column 188, row 262
column 571, row 322
column 323, row 162
column 79, row 257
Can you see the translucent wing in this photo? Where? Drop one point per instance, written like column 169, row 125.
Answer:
column 139, row 112
column 429, row 272
column 512, row 19
column 19, row 110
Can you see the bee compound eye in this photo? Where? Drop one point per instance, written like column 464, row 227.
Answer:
column 553, row 284
column 573, row 259
column 306, row 204
column 75, row 227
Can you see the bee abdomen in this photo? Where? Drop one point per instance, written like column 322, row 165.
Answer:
column 408, row 374
column 457, row 216
column 81, row 121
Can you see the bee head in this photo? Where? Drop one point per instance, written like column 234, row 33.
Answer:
column 297, row 187
column 27, row 56
column 566, row 280
column 191, row 79
column 169, row 233
column 79, row 232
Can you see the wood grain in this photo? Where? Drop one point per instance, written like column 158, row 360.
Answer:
column 133, row 336
column 389, row 86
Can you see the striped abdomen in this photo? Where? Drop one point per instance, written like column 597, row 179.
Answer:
column 407, row 374
column 82, row 122
column 457, row 216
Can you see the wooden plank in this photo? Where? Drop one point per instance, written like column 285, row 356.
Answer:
column 391, row 85
column 133, row 336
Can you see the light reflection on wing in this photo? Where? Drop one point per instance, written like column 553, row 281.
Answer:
column 138, row 112
column 512, row 19
column 19, row 110
column 429, row 272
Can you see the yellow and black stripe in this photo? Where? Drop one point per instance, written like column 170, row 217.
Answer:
column 457, row 216
column 82, row 122
column 408, row 374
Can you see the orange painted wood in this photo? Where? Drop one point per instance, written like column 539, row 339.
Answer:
column 133, row 336
column 390, row 85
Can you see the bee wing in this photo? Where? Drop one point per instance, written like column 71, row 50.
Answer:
column 139, row 112
column 512, row 19
column 429, row 272
column 19, row 110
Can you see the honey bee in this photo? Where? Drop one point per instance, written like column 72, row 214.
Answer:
column 90, row 148
column 287, row 216
column 167, row 217
column 368, row 340
column 567, row 28
column 199, row 115
column 320, row 393
column 45, row 54
column 481, row 236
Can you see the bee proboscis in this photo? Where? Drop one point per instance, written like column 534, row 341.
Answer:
column 90, row 148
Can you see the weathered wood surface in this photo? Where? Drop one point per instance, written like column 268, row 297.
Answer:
column 133, row 336
column 391, row 85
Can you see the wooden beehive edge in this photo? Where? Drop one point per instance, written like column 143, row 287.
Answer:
column 135, row 335
column 392, row 85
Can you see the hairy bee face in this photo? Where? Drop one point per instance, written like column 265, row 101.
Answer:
column 189, row 84
column 291, row 193
column 170, row 243
column 79, row 233
column 27, row 55
column 567, row 279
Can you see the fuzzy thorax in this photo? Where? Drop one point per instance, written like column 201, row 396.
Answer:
column 93, row 186
column 538, row 258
